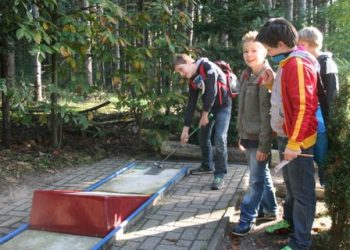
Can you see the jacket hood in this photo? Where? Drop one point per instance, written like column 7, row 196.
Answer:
column 301, row 53
column 327, row 54
column 201, row 60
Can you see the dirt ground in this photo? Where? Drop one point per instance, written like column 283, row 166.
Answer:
column 17, row 188
column 259, row 240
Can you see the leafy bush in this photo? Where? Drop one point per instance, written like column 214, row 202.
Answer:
column 337, row 192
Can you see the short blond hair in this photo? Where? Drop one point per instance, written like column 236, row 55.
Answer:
column 312, row 36
column 249, row 36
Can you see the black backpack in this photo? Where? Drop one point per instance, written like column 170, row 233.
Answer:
column 322, row 98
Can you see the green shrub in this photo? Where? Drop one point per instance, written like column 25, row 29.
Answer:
column 337, row 192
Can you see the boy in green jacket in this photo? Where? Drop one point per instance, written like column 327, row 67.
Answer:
column 254, row 130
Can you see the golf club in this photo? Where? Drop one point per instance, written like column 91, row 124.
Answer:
column 159, row 163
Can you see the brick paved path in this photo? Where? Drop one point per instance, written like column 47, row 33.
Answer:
column 189, row 216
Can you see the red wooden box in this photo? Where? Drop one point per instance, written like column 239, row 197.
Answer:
column 81, row 213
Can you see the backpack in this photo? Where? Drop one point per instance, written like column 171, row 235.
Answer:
column 231, row 78
column 322, row 98
column 231, row 84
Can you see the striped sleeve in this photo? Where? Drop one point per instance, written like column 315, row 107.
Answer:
column 298, row 101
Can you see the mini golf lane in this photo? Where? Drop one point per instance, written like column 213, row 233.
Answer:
column 139, row 179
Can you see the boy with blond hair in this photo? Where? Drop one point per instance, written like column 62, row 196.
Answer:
column 255, row 133
column 311, row 39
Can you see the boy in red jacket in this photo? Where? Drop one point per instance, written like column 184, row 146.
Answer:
column 293, row 107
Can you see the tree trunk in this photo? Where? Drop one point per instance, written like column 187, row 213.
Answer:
column 321, row 19
column 289, row 10
column 38, row 96
column 8, row 73
column 268, row 4
column 117, row 46
column 88, row 59
column 190, row 31
column 54, row 99
column 302, row 12
column 224, row 35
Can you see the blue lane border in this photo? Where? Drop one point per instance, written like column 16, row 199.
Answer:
column 178, row 176
column 25, row 226
column 13, row 233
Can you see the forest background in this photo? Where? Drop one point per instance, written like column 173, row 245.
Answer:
column 95, row 77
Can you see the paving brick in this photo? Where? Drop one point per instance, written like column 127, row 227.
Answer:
column 203, row 213
column 221, row 205
column 169, row 221
column 181, row 191
column 25, row 207
column 150, row 243
column 209, row 204
column 168, row 206
column 171, row 236
column 211, row 224
column 200, row 207
column 205, row 234
column 10, row 221
column 189, row 233
column 199, row 245
column 199, row 200
column 188, row 210
column 159, row 217
column 183, row 204
column 167, row 212
column 167, row 247
column 5, row 230
column 5, row 210
column 181, row 198
column 151, row 224
column 131, row 245
column 18, row 213
column 184, row 243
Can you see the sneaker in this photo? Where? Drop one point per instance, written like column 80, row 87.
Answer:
column 287, row 248
column 243, row 228
column 218, row 183
column 269, row 216
column 201, row 170
column 282, row 227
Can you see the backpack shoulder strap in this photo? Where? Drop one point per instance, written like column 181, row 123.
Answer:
column 202, row 71
column 322, row 98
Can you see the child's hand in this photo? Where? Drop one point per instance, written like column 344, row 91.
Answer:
column 268, row 77
column 290, row 154
column 204, row 120
column 184, row 135
column 260, row 156
column 240, row 145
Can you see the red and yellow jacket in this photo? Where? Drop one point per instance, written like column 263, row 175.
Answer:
column 298, row 90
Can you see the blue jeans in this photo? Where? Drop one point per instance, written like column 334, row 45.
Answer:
column 261, row 191
column 300, row 200
column 221, row 120
column 320, row 154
